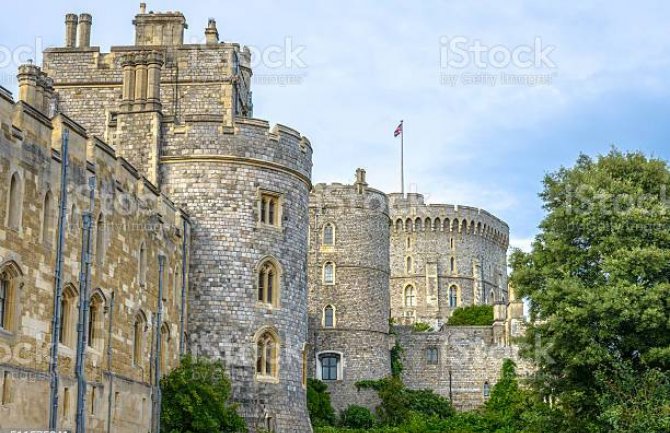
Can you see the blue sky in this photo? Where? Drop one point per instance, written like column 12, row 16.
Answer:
column 362, row 66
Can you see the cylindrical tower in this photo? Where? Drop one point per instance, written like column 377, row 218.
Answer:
column 444, row 257
column 247, row 193
column 349, row 289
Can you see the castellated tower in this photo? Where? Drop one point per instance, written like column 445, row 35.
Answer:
column 181, row 113
column 444, row 257
column 349, row 289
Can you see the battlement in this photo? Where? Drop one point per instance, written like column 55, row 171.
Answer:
column 21, row 122
column 411, row 214
column 358, row 194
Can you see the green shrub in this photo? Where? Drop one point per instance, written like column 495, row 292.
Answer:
column 396, row 360
column 428, row 403
column 321, row 412
column 196, row 399
column 421, row 327
column 357, row 417
column 475, row 315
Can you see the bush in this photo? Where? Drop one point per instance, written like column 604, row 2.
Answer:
column 475, row 315
column 195, row 399
column 321, row 412
column 421, row 327
column 428, row 403
column 357, row 417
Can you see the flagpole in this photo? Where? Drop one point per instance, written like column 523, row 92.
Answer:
column 402, row 158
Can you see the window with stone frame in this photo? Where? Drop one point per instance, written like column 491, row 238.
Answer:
column 410, row 296
column 329, row 364
column 142, row 265
column 453, row 297
column 48, row 219
column 329, row 316
column 68, row 316
column 329, row 273
column 5, row 288
column 268, row 282
column 432, row 355
column 267, row 356
column 269, row 209
column 96, row 322
column 408, row 265
column 329, row 235
column 139, row 329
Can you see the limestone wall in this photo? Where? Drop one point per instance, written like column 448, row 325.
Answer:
column 133, row 213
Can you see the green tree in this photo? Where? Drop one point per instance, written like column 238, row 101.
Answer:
column 474, row 315
column 321, row 412
column 598, row 281
column 195, row 399
column 357, row 417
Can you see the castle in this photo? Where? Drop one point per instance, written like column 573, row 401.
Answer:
column 209, row 238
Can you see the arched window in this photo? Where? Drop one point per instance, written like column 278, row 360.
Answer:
column 408, row 265
column 139, row 328
column 329, row 235
column 268, row 212
column 409, row 243
column 9, row 275
column 15, row 203
column 398, row 225
column 329, row 273
column 432, row 355
column 142, row 265
column 268, row 282
column 267, row 356
column 47, row 219
column 492, row 297
column 96, row 322
column 452, row 265
column 453, row 297
column 329, row 317
column 486, row 390
column 68, row 316
column 100, row 240
column 410, row 297
column 330, row 366
column 451, row 243
column 165, row 348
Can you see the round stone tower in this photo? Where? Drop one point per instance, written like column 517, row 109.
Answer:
column 349, row 289
column 444, row 257
column 247, row 191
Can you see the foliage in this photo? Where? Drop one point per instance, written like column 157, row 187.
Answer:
column 357, row 417
column 598, row 278
column 321, row 412
column 398, row 402
column 396, row 359
column 474, row 315
column 421, row 327
column 195, row 399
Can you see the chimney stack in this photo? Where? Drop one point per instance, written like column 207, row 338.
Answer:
column 85, row 21
column 361, row 184
column 71, row 21
column 211, row 33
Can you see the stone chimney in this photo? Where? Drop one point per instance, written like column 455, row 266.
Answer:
column 85, row 21
column 211, row 33
column 158, row 28
column 361, row 184
column 71, row 21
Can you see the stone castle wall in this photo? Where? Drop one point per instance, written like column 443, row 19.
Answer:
column 468, row 361
column 133, row 213
column 359, row 294
column 447, row 246
column 181, row 113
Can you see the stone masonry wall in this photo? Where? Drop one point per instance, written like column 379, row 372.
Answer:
column 133, row 213
column 431, row 236
column 359, row 295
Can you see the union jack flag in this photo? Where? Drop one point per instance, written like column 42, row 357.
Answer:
column 398, row 130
